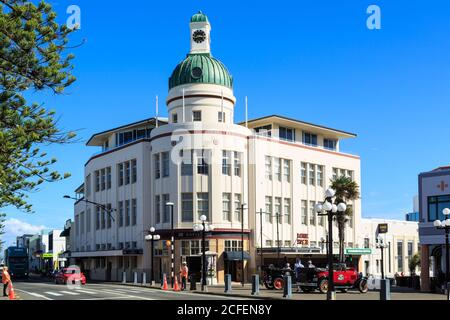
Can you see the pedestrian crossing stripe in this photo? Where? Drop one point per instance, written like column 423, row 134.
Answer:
column 86, row 291
column 71, row 293
column 53, row 293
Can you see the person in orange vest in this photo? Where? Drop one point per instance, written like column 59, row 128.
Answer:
column 6, row 279
column 184, row 275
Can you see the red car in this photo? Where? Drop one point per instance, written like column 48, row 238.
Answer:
column 70, row 275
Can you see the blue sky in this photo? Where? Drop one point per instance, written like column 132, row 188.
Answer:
column 311, row 60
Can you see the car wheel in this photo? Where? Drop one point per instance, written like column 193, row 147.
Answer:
column 323, row 285
column 362, row 286
column 268, row 285
column 278, row 283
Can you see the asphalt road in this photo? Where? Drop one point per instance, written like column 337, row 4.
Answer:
column 34, row 290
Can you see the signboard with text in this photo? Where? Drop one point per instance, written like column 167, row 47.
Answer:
column 358, row 251
column 383, row 228
column 302, row 238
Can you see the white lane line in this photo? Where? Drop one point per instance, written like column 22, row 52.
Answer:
column 70, row 293
column 129, row 290
column 34, row 294
column 86, row 291
column 53, row 293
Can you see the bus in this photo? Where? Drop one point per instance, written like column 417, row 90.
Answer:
column 16, row 259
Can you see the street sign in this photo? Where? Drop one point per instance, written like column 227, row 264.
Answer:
column 383, row 228
column 302, row 238
column 47, row 255
column 358, row 251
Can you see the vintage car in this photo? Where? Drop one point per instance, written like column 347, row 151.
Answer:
column 70, row 276
column 344, row 278
column 311, row 279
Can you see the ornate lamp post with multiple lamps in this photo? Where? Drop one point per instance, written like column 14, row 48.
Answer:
column 445, row 225
column 327, row 208
column 152, row 237
column 204, row 227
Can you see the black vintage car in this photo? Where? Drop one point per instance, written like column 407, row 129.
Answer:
column 273, row 276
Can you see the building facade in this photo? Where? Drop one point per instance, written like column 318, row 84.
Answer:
column 434, row 196
column 402, row 243
column 256, row 182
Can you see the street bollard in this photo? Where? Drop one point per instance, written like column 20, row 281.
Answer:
column 255, row 285
column 144, row 278
column 287, row 288
column 193, row 283
column 124, row 277
column 228, row 283
column 385, row 289
column 135, row 278
column 448, row 290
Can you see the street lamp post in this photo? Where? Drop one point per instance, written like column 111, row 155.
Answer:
column 152, row 237
column 108, row 210
column 203, row 227
column 242, row 241
column 446, row 226
column 172, row 244
column 381, row 245
column 327, row 208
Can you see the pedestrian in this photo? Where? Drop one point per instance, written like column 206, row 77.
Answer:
column 184, row 275
column 310, row 264
column 6, row 280
column 297, row 268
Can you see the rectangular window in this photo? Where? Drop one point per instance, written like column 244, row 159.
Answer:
column 350, row 174
column 103, row 216
column 87, row 182
column 120, row 174
column 287, row 243
column 410, row 249
column 265, row 131
column 127, row 172
column 268, row 213
column 400, row 256
column 202, row 205
column 202, row 163
column 133, row 212
column 287, row 134
column 320, row 176
column 174, row 117
column 108, row 178
column 127, row 212
column 226, row 163
column 237, row 207
column 187, row 207
column 329, row 144
column 186, row 164
column 97, row 218
column 196, row 116
column 335, row 173
column 221, row 116
column 226, row 206
column 108, row 216
column 287, row 170
column 165, row 164
column 88, row 220
column 268, row 166
column 120, row 205
column 158, row 209
column 277, row 209
column 103, row 185
column 81, row 223
column 303, row 172
column 157, row 166
column 287, row 210
column 309, row 139
column 312, row 213
column 133, row 171
column 436, row 205
column 304, row 212
column 366, row 243
column 166, row 210
column 97, row 180
column 312, row 174
column 269, row 243
column 277, row 168
column 237, row 164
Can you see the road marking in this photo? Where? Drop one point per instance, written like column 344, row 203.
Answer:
column 71, row 293
column 35, row 294
column 86, row 291
column 53, row 293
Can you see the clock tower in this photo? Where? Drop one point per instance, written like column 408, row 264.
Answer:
column 200, row 34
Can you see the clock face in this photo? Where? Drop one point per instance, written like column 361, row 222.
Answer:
column 199, row 36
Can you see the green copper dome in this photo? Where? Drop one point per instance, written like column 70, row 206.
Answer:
column 199, row 17
column 200, row 68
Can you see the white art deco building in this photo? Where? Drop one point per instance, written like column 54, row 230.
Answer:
column 204, row 163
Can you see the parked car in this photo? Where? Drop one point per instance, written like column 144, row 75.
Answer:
column 273, row 277
column 70, row 275
column 344, row 278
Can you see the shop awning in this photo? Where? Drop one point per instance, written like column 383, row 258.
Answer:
column 236, row 255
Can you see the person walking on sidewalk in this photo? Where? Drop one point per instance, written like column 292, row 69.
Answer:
column 184, row 275
column 6, row 279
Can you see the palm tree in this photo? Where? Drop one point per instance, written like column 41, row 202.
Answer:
column 347, row 190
